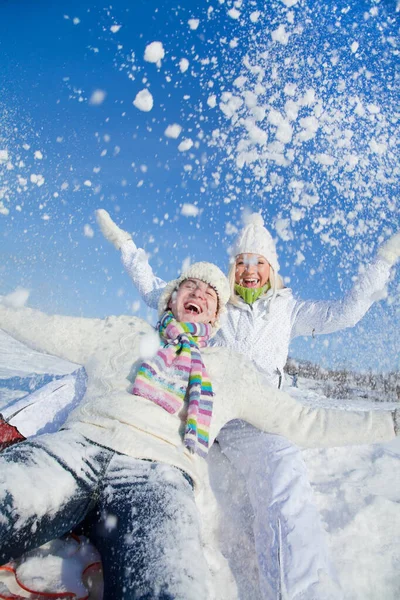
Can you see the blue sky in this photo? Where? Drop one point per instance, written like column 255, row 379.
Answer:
column 318, row 159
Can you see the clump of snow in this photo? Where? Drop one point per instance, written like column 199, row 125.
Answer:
column 185, row 145
column 183, row 65
column 88, row 231
column 3, row 209
column 377, row 147
column 231, row 229
column 149, row 345
column 186, row 264
column 135, row 306
column 189, row 210
column 254, row 16
column 154, row 53
column 16, row 299
column 115, row 28
column 38, row 155
column 282, row 227
column 234, row 13
column 3, row 156
column 193, row 24
column 144, row 100
column 37, row 179
column 280, row 35
column 173, row 131
column 97, row 97
column 299, row 258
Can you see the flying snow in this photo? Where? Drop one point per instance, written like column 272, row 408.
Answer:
column 173, row 131
column 88, row 231
column 144, row 100
column 190, row 210
column 97, row 97
column 193, row 23
column 183, row 65
column 154, row 53
column 185, row 145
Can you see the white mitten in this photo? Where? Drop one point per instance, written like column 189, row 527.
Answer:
column 390, row 250
column 110, row 230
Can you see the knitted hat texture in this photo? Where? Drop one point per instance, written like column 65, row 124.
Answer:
column 254, row 238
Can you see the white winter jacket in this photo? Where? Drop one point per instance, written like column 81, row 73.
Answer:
column 264, row 330
column 109, row 415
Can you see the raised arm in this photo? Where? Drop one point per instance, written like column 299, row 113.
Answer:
column 309, row 318
column 71, row 338
column 134, row 260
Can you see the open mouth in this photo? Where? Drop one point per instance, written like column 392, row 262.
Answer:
column 250, row 282
column 192, row 308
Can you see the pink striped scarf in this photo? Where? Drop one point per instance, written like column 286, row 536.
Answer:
column 178, row 372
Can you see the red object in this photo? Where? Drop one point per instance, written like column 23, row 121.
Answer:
column 94, row 568
column 9, row 435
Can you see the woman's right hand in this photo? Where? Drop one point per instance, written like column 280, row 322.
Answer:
column 110, row 230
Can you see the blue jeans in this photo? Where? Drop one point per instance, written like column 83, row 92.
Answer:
column 141, row 514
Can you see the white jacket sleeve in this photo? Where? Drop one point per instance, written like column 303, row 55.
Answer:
column 139, row 270
column 311, row 318
column 71, row 338
column 242, row 392
column 277, row 412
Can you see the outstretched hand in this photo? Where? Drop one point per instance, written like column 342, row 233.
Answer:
column 110, row 230
column 390, row 250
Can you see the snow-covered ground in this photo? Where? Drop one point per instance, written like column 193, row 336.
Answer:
column 357, row 489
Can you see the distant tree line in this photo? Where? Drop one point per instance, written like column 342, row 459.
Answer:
column 343, row 383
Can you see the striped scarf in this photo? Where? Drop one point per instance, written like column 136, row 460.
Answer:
column 177, row 371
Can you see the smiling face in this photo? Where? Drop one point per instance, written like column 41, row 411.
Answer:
column 195, row 301
column 252, row 270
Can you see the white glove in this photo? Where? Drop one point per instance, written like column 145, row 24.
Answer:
column 390, row 250
column 110, row 230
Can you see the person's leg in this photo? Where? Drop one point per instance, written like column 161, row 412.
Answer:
column 46, row 487
column 291, row 543
column 148, row 533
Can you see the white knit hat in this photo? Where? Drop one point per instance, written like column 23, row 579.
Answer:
column 255, row 239
column 206, row 272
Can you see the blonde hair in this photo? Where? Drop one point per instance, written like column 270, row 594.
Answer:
column 275, row 280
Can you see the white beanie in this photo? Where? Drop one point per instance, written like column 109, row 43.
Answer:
column 206, row 272
column 255, row 239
